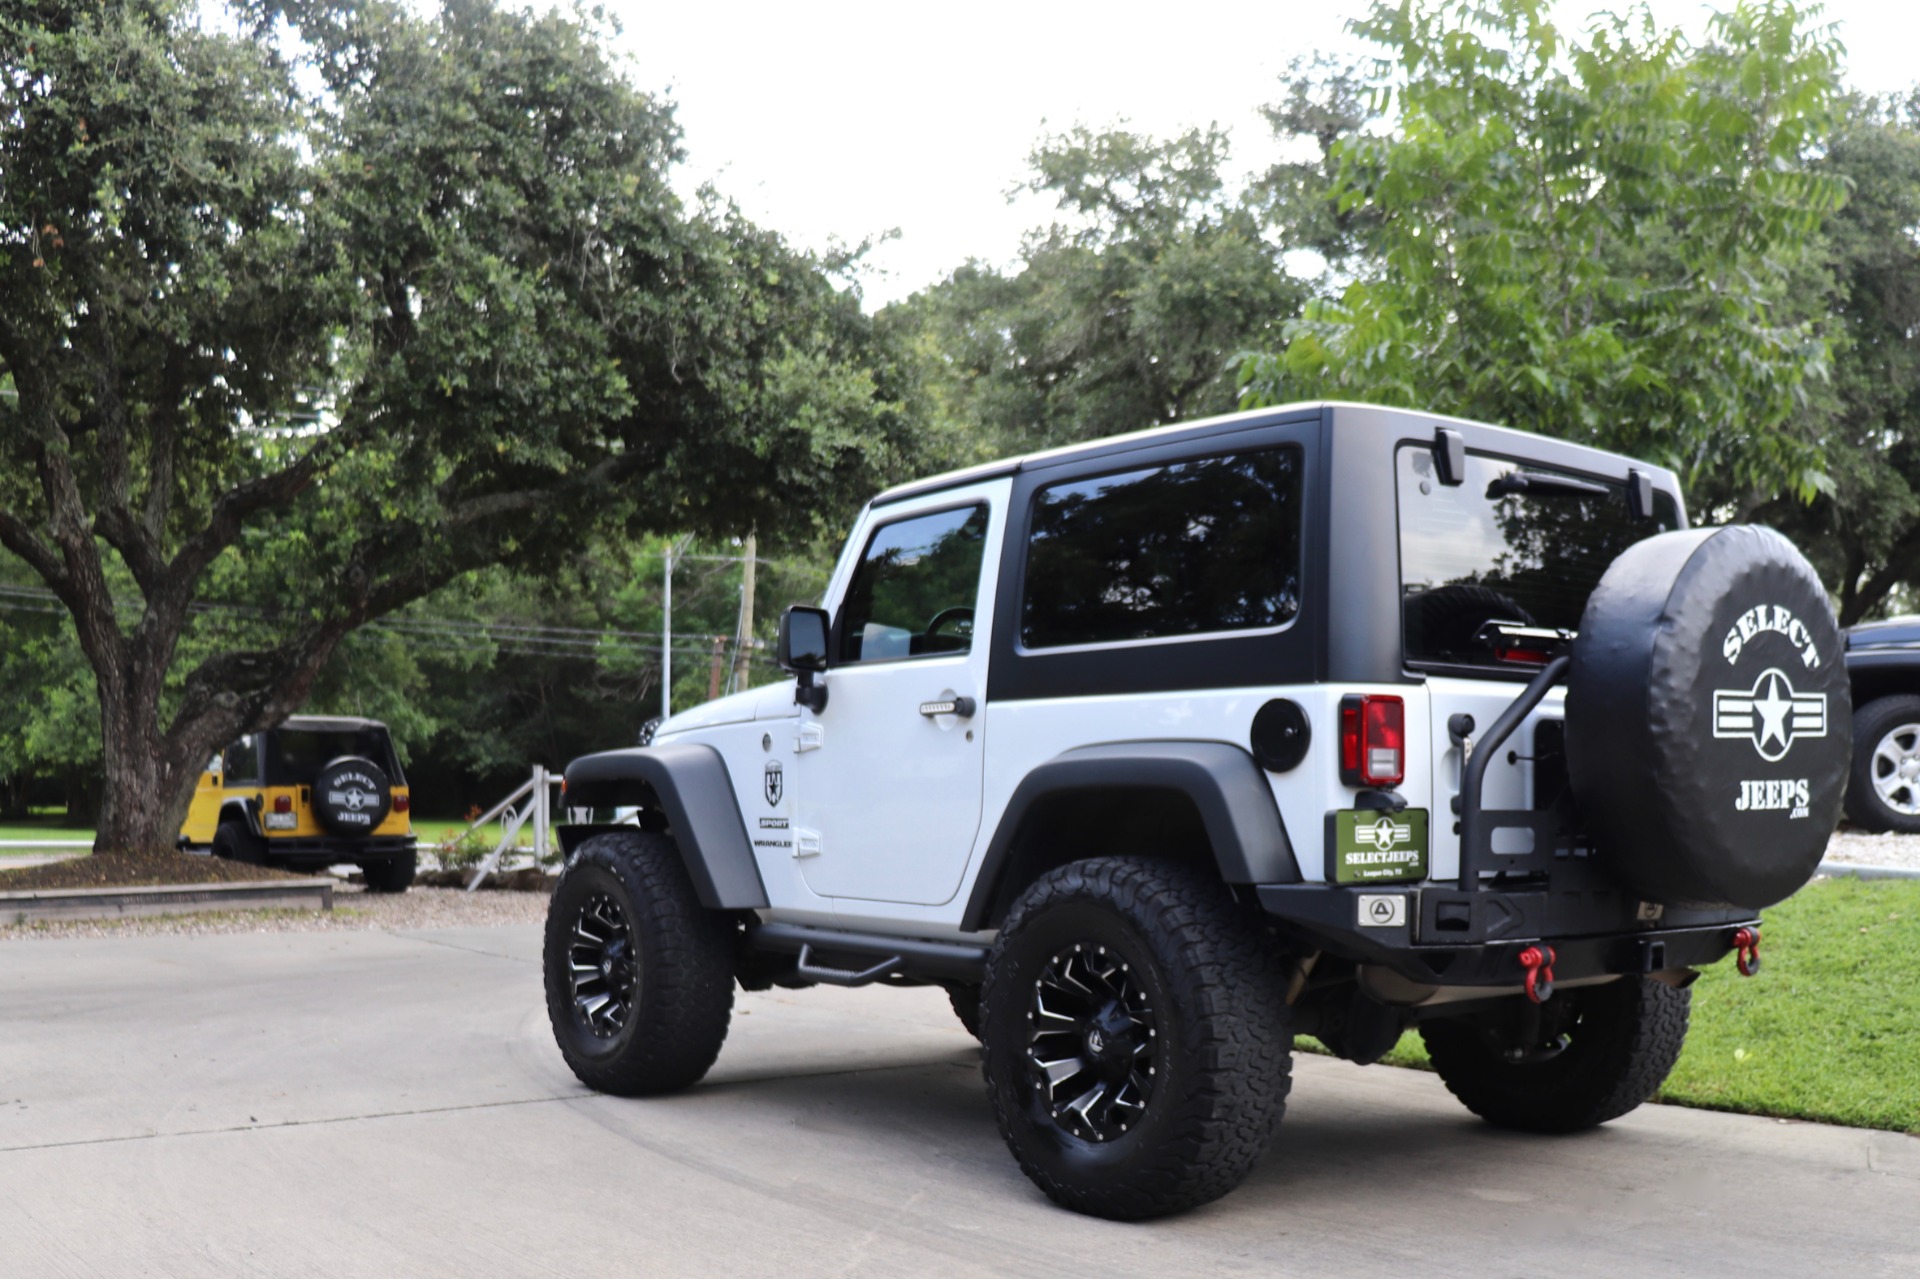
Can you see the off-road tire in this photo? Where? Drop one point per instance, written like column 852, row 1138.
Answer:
column 238, row 844
column 390, row 874
column 1626, row 1040
column 965, row 998
column 683, row 989
column 1221, row 1046
column 1872, row 722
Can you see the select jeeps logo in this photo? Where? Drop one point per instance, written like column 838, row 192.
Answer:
column 1770, row 714
column 1769, row 619
column 355, row 798
column 1786, row 792
column 1384, row 834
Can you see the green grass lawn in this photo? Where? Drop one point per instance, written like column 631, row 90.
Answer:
column 430, row 831
column 1829, row 1029
column 49, row 826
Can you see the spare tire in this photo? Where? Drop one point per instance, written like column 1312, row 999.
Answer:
column 352, row 796
column 1708, row 718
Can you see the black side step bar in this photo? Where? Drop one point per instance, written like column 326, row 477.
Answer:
column 908, row 956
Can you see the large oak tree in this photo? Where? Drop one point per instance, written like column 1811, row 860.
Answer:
column 335, row 302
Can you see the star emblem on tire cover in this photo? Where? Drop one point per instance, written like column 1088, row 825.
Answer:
column 1771, row 714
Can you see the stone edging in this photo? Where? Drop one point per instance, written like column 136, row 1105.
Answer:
column 164, row 899
column 1859, row 870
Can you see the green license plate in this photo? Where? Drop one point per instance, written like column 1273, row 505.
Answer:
column 1370, row 847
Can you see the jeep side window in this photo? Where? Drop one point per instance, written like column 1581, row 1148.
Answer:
column 1192, row 548
column 913, row 592
column 241, row 766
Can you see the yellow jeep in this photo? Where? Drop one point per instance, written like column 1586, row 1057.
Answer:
column 316, row 791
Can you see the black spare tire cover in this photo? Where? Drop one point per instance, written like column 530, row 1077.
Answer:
column 352, row 796
column 1708, row 718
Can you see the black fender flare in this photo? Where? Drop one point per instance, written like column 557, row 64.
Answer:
column 1229, row 790
column 249, row 812
column 688, row 783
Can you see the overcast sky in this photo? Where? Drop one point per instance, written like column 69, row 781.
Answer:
column 845, row 119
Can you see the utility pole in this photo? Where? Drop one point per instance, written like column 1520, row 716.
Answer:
column 666, row 639
column 743, row 650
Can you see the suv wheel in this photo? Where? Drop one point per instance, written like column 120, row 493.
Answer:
column 639, row 975
column 1138, row 1051
column 390, row 874
column 238, row 844
column 1883, row 792
column 1593, row 1055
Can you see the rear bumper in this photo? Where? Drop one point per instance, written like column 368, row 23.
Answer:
column 310, row 851
column 1437, row 941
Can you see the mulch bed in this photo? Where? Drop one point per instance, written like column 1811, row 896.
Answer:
column 131, row 870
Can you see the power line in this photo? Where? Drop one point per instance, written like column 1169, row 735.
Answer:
column 434, row 634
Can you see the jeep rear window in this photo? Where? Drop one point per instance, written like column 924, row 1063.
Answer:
column 1472, row 553
column 1193, row 548
column 295, row 755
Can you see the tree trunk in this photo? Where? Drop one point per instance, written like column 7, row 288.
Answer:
column 147, row 787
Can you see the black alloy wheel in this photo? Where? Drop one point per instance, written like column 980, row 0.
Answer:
column 1137, row 1042
column 601, row 966
column 1091, row 1056
column 639, row 977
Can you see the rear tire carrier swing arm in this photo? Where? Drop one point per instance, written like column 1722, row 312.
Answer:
column 1473, row 778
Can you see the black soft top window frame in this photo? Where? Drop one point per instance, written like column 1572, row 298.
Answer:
column 371, row 743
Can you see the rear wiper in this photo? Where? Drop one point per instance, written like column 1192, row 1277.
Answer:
column 1541, row 484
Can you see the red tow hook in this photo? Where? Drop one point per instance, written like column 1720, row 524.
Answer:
column 1539, row 966
column 1746, row 945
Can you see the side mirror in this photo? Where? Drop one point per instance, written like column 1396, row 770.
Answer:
column 802, row 649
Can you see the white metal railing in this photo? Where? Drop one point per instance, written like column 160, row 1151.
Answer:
column 538, row 792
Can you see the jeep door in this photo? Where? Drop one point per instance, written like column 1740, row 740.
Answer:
column 887, row 789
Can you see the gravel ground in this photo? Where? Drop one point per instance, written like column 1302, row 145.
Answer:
column 353, row 909
column 1862, row 849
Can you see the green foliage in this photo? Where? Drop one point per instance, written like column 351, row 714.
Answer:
column 1592, row 238
column 312, row 308
column 1864, row 536
column 1119, row 317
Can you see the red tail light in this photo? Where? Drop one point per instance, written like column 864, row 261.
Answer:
column 1373, row 739
column 401, row 803
column 283, row 803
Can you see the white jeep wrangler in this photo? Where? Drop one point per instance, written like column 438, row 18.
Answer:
column 1160, row 750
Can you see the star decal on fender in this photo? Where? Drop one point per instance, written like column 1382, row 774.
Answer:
column 1770, row 715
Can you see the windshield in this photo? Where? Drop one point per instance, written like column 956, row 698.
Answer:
column 1515, row 543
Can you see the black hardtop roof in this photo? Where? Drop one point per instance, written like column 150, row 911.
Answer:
column 1416, row 422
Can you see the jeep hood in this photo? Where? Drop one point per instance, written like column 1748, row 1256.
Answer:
column 775, row 701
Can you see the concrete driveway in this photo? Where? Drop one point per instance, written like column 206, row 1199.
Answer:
column 391, row 1103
